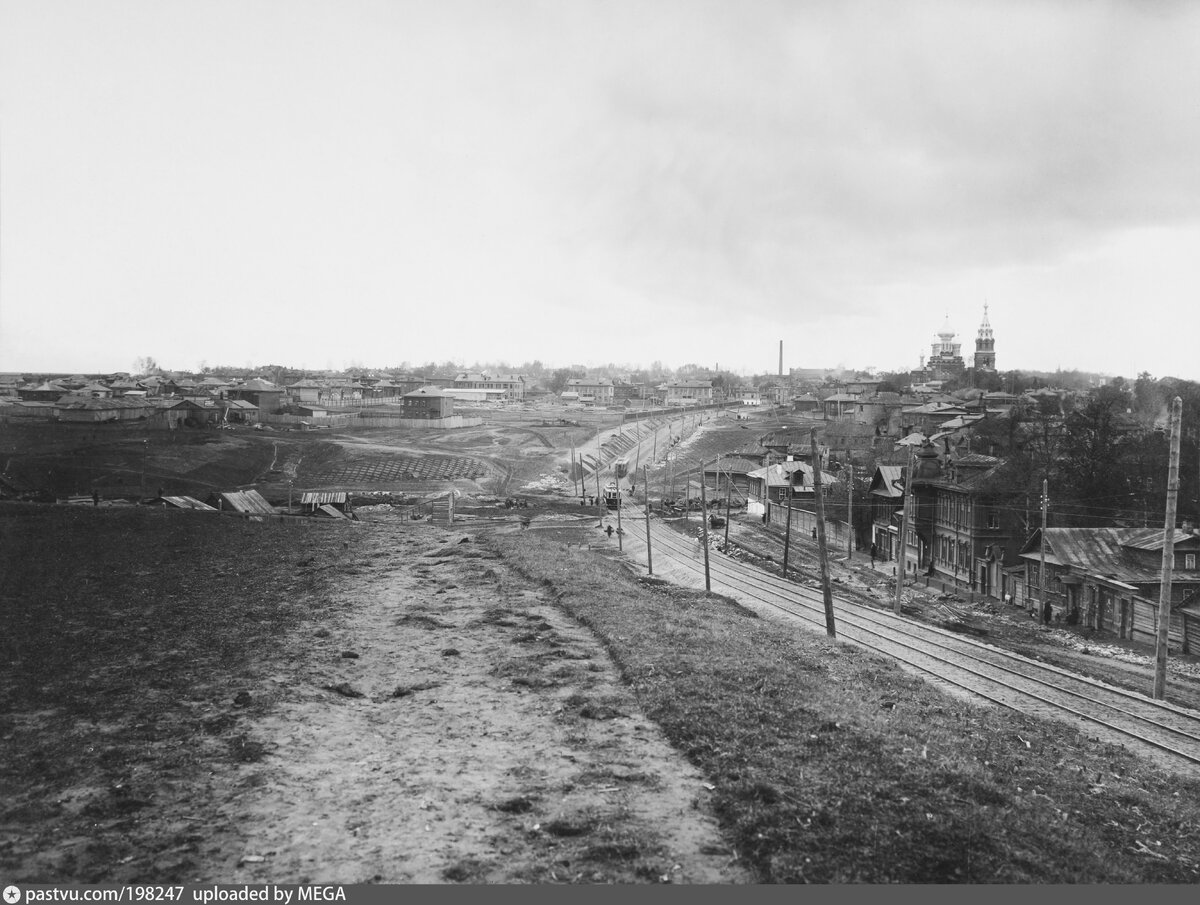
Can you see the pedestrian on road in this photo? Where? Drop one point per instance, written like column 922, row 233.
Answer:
column 874, row 554
column 1047, row 612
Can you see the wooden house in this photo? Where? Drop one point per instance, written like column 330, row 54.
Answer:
column 428, row 402
column 1094, row 574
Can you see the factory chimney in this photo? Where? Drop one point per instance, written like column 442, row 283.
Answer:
column 781, row 358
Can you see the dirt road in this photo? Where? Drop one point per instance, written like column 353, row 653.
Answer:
column 477, row 735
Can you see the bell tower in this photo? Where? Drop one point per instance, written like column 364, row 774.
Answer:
column 985, row 345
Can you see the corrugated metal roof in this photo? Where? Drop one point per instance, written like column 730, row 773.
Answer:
column 1099, row 551
column 321, row 498
column 1152, row 538
column 330, row 511
column 250, row 501
column 888, row 481
column 187, row 502
column 961, row 421
column 977, row 460
column 731, row 464
column 779, row 475
column 80, row 403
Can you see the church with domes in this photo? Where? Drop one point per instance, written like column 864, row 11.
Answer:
column 945, row 356
column 985, row 345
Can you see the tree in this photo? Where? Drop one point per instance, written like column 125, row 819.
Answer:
column 558, row 380
column 146, row 366
column 1095, row 478
column 1148, row 398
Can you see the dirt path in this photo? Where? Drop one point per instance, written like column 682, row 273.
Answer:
column 476, row 734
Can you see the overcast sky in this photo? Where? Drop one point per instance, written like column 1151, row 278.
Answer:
column 324, row 184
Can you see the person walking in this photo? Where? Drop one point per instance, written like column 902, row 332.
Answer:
column 874, row 554
column 1047, row 613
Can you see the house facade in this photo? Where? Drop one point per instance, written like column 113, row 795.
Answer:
column 427, row 402
column 591, row 390
column 505, row 387
column 688, row 392
column 975, row 533
column 1095, row 574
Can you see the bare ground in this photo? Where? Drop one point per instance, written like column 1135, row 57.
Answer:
column 408, row 711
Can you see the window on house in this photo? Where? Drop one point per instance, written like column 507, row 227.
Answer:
column 993, row 520
column 1189, row 561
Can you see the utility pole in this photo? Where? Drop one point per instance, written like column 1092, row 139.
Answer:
column 728, row 502
column 704, row 528
column 850, row 510
column 825, row 590
column 717, row 471
column 687, row 496
column 1042, row 564
column 599, row 497
column 902, row 554
column 599, row 461
column 671, row 460
column 574, row 480
column 787, row 531
column 646, row 492
column 1168, row 555
column 620, row 501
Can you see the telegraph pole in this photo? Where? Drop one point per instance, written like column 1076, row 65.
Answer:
column 646, row 492
column 1168, row 555
column 599, row 461
column 787, row 531
column 850, row 510
column 1042, row 565
column 687, row 495
column 620, row 501
column 704, row 528
column 902, row 557
column 825, row 590
column 728, row 502
column 599, row 497
column 574, row 480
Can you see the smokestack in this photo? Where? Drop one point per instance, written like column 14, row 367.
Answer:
column 781, row 358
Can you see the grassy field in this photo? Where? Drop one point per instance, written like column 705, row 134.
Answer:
column 831, row 765
column 125, row 637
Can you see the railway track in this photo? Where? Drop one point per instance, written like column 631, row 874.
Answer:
column 1164, row 732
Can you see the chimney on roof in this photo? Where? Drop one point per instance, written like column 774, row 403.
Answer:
column 781, row 358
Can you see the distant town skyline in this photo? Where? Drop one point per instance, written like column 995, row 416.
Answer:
column 584, row 182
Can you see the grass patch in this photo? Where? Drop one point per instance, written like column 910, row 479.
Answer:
column 833, row 765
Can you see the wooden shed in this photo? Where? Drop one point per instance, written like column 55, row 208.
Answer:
column 247, row 502
column 185, row 502
column 338, row 500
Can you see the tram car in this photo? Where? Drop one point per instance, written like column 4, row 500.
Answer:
column 612, row 495
column 621, row 468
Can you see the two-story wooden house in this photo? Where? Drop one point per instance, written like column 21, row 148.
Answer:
column 975, row 530
column 689, row 392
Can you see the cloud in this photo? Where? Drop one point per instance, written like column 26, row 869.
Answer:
column 796, row 166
